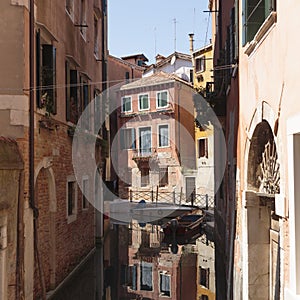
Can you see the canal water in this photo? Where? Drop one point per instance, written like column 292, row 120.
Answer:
column 147, row 261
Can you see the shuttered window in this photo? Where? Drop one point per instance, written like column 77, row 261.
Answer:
column 254, row 13
column 127, row 137
column 45, row 75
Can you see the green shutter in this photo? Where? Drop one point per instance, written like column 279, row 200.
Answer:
column 38, row 68
column 244, row 22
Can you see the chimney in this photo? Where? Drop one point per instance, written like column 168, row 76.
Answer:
column 191, row 35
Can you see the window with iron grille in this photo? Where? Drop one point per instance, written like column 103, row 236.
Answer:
column 254, row 13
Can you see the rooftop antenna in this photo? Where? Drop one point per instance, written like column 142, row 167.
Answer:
column 155, row 39
column 175, row 21
column 194, row 19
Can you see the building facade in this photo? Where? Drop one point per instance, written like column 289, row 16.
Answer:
column 259, row 198
column 155, row 131
column 51, row 55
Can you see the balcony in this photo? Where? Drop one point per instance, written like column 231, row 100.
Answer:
column 145, row 154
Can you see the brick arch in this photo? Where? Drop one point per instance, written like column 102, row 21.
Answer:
column 259, row 206
column 263, row 113
column 44, row 168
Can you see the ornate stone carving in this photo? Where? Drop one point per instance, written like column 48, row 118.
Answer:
column 269, row 167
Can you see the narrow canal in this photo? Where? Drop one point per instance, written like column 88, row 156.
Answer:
column 172, row 259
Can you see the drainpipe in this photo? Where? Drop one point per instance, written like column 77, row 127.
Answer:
column 31, row 144
column 31, row 108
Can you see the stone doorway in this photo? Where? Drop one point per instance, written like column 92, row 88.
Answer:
column 262, row 224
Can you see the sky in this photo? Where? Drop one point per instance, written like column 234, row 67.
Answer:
column 148, row 27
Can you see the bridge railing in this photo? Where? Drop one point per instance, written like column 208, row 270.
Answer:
column 178, row 198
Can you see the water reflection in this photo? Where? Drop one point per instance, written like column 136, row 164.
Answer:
column 169, row 260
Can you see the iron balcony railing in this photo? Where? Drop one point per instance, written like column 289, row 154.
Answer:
column 203, row 201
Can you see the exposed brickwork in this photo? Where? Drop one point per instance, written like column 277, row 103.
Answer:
column 72, row 241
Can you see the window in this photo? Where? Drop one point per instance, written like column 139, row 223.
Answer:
column 45, row 75
column 204, row 277
column 146, row 276
column 143, row 102
column 165, row 285
column 203, row 148
column 70, row 7
column 145, row 141
column 163, row 177
column 144, row 176
column 254, row 14
column 71, row 199
column 204, row 297
column 96, row 48
column 83, row 24
column 84, row 101
column 127, row 77
column 98, row 112
column 85, row 193
column 127, row 137
column 162, row 99
column 200, row 64
column 163, row 136
column 132, row 281
column 71, row 93
column 126, row 104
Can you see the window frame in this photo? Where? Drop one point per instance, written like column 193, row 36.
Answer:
column 205, row 140
column 83, row 18
column 71, row 11
column 73, row 216
column 139, row 103
column 163, row 293
column 164, row 179
column 44, row 63
column 122, row 104
column 96, row 36
column 270, row 6
column 202, row 64
column 139, row 138
column 158, row 134
column 84, row 199
column 71, row 91
column 160, row 92
column 123, row 143
column 147, row 265
column 145, row 182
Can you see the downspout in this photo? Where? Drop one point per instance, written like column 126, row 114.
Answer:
column 31, row 144
column 31, row 108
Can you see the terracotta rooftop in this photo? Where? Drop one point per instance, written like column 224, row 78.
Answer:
column 155, row 79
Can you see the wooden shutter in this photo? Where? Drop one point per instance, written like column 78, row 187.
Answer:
column 49, row 74
column 38, row 68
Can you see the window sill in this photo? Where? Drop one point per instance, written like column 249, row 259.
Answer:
column 71, row 218
column 271, row 20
